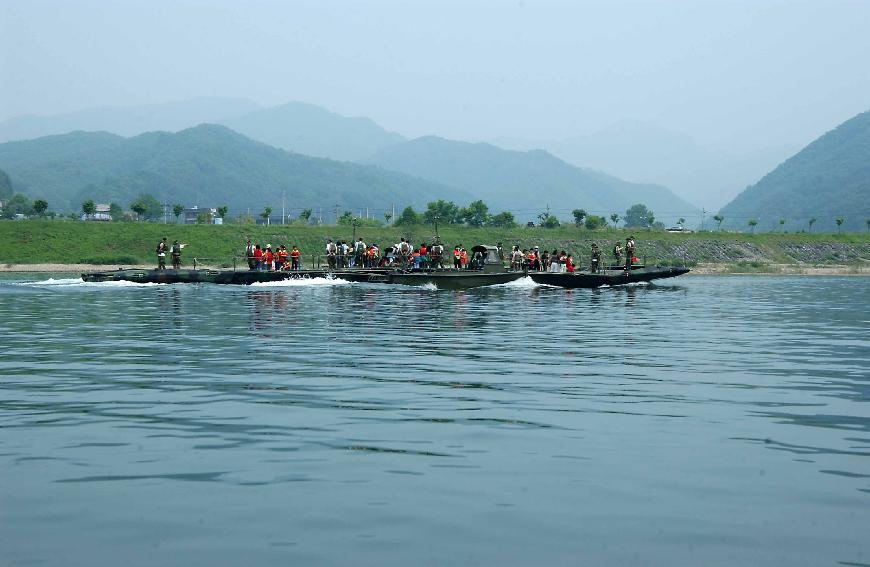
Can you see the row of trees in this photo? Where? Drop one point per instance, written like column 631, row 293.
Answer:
column 752, row 223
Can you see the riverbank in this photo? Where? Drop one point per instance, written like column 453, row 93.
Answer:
column 32, row 245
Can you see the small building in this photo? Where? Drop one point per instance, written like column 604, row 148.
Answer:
column 195, row 215
column 101, row 213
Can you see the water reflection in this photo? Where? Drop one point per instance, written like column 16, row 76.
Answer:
column 708, row 407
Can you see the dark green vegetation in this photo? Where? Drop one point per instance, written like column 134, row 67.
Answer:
column 207, row 166
column 116, row 244
column 314, row 131
column 5, row 185
column 525, row 183
column 828, row 179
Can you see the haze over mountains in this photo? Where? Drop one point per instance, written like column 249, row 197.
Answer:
column 311, row 130
column 127, row 120
column 203, row 163
column 644, row 153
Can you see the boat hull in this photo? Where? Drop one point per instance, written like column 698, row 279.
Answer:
column 199, row 276
column 589, row 280
column 452, row 279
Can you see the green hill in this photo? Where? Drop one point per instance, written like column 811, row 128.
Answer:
column 311, row 130
column 829, row 178
column 526, row 182
column 208, row 166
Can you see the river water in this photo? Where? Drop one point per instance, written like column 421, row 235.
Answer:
column 701, row 421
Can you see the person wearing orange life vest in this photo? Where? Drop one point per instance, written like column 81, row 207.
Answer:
column 532, row 259
column 280, row 257
column 463, row 257
column 294, row 258
column 268, row 258
column 258, row 257
column 456, row 255
column 569, row 264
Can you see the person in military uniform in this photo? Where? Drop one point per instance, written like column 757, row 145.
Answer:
column 175, row 253
column 595, row 260
column 249, row 256
column 162, row 248
column 629, row 252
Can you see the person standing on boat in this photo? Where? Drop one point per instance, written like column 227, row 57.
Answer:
column 267, row 258
column 294, row 258
column 175, row 252
column 569, row 264
column 629, row 252
column 162, row 247
column 249, row 255
column 404, row 253
column 595, row 260
column 463, row 257
column 438, row 255
column 359, row 252
column 258, row 257
column 281, row 258
column 331, row 251
column 617, row 255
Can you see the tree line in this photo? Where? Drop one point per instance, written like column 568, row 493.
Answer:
column 476, row 214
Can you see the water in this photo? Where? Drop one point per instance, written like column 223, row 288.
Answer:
column 703, row 421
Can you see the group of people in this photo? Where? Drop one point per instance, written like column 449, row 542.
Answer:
column 341, row 255
column 264, row 259
column 532, row 259
column 174, row 251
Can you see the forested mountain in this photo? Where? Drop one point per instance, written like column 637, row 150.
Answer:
column 312, row 130
column 829, row 178
column 526, row 182
column 126, row 120
column 208, row 166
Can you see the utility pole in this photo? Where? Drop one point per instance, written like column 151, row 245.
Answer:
column 703, row 215
column 283, row 196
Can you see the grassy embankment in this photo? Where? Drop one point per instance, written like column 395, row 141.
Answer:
column 116, row 244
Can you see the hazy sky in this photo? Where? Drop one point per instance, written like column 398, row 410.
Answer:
column 735, row 75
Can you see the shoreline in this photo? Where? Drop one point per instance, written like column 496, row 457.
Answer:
column 705, row 269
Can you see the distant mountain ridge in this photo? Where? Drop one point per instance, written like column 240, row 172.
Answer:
column 641, row 152
column 126, row 120
column 208, row 165
column 297, row 127
column 827, row 179
column 312, row 130
column 526, row 182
